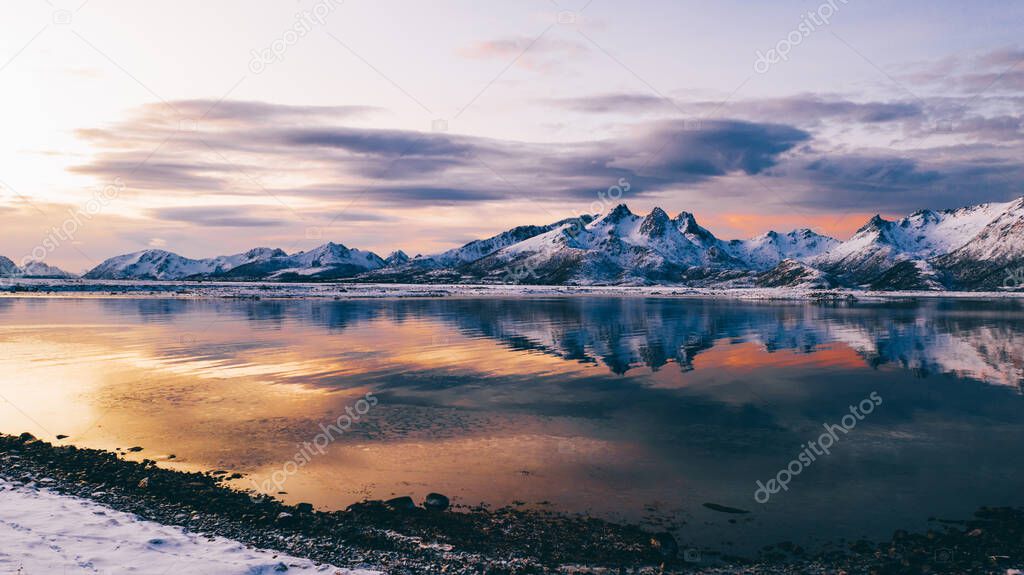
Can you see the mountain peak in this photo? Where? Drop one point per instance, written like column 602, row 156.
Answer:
column 876, row 222
column 927, row 216
column 685, row 220
column 396, row 257
column 687, row 224
column 618, row 213
column 655, row 223
column 264, row 253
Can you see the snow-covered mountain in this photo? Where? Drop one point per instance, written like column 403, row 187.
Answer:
column 622, row 247
column 994, row 257
column 959, row 248
column 449, row 266
column 31, row 269
column 976, row 247
column 792, row 273
column 617, row 247
column 768, row 250
column 8, row 268
column 164, row 265
column 328, row 261
column 396, row 258
column 477, row 249
column 38, row 269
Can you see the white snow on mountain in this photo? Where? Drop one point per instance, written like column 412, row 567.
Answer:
column 922, row 235
column 37, row 269
column 31, row 269
column 625, row 240
column 768, row 250
column 164, row 265
column 324, row 260
column 924, row 251
column 225, row 263
column 8, row 268
column 622, row 246
column 396, row 258
column 999, row 238
column 478, row 249
column 331, row 254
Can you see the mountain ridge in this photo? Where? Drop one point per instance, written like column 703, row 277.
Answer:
column 30, row 269
column 968, row 248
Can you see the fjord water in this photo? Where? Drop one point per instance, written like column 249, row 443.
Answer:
column 630, row 409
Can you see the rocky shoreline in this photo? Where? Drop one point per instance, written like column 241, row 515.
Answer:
column 404, row 538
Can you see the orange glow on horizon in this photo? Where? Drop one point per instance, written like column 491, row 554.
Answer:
column 743, row 225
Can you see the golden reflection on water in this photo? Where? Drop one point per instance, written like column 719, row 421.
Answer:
column 215, row 403
column 618, row 407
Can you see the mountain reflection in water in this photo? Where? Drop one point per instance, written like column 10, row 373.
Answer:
column 629, row 408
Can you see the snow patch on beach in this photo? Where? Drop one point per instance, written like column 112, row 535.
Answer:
column 42, row 532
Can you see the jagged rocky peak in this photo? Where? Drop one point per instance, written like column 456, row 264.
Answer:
column 259, row 253
column 395, row 258
column 876, row 222
column 334, row 247
column 967, row 248
column 617, row 214
column 656, row 223
column 926, row 216
column 687, row 224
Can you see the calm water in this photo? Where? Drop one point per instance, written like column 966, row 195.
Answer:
column 632, row 409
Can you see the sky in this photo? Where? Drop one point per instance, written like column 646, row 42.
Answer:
column 209, row 128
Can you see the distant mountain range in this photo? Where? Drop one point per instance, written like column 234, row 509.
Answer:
column 973, row 248
column 31, row 269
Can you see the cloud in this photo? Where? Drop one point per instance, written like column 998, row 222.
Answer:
column 226, row 111
column 249, row 156
column 309, row 161
column 806, row 109
column 622, row 103
column 873, row 181
column 149, row 173
column 381, row 142
column 813, row 111
column 987, row 129
column 216, row 216
column 999, row 71
column 720, row 147
column 868, row 172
